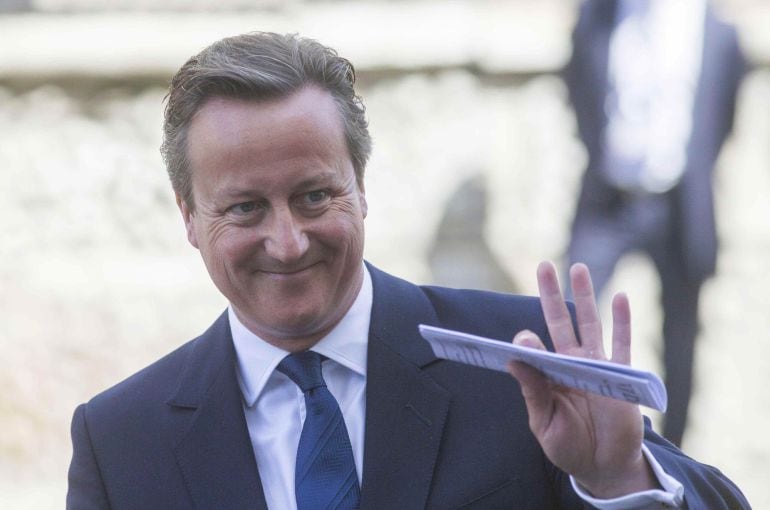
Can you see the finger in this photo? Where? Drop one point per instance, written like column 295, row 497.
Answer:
column 588, row 321
column 557, row 317
column 621, row 329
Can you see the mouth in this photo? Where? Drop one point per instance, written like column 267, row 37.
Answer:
column 287, row 273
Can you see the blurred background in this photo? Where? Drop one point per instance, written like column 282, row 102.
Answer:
column 473, row 180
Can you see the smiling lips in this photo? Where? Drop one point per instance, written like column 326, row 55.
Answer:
column 284, row 274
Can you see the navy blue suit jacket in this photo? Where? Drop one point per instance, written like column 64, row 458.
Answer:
column 722, row 69
column 439, row 435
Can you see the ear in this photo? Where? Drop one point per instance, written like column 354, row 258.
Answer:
column 362, row 199
column 187, row 216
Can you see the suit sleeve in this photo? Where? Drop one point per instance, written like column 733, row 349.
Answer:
column 739, row 67
column 704, row 486
column 85, row 486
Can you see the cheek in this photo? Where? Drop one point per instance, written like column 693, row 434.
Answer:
column 238, row 250
column 341, row 239
column 228, row 247
column 350, row 239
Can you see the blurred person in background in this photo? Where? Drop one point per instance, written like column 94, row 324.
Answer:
column 653, row 84
column 314, row 389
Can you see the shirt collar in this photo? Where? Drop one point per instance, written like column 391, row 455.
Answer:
column 346, row 344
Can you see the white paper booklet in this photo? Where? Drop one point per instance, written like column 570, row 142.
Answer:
column 602, row 377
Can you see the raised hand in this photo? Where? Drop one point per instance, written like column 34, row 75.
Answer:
column 595, row 439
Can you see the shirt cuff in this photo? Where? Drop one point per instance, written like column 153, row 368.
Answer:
column 670, row 496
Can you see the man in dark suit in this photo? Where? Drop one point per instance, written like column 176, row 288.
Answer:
column 266, row 143
column 654, row 85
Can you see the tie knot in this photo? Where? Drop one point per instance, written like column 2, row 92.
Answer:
column 304, row 368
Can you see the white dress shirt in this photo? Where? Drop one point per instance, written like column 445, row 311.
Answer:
column 275, row 407
column 654, row 66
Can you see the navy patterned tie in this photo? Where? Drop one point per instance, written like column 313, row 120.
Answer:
column 325, row 476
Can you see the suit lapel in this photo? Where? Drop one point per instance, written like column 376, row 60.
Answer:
column 405, row 413
column 406, row 410
column 213, row 448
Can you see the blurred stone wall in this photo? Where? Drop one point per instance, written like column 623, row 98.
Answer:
column 96, row 277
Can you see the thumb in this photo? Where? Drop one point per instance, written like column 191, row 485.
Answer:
column 535, row 388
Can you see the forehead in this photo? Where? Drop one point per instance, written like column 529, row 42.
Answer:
column 233, row 138
column 310, row 110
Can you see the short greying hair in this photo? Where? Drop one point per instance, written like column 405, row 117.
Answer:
column 258, row 66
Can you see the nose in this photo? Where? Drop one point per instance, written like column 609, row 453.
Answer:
column 286, row 240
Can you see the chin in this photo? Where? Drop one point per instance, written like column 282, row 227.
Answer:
column 298, row 325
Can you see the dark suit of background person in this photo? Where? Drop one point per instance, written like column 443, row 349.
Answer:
column 676, row 228
column 439, row 435
column 276, row 207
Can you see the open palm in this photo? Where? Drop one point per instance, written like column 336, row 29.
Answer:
column 594, row 438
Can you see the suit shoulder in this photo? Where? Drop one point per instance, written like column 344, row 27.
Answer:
column 156, row 383
column 478, row 299
column 486, row 313
column 157, row 379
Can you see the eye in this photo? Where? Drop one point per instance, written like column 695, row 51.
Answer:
column 243, row 208
column 315, row 197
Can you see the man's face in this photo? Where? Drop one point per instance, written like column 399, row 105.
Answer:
column 279, row 216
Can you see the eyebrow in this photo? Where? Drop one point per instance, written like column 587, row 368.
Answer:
column 321, row 178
